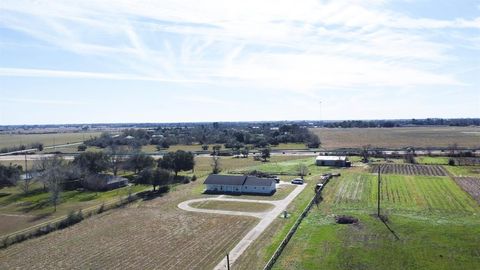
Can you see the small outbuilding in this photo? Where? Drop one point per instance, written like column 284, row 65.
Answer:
column 216, row 183
column 332, row 161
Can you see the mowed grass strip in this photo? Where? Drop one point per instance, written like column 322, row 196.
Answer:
column 233, row 206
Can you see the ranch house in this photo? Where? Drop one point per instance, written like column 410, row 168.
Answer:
column 216, row 183
column 332, row 161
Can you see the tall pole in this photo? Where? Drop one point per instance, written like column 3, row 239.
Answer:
column 228, row 262
column 26, row 168
column 378, row 193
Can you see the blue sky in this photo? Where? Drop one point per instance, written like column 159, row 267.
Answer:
column 186, row 60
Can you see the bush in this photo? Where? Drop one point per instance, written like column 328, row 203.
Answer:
column 194, row 178
column 451, row 162
column 82, row 148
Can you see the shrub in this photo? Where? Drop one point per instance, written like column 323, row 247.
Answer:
column 194, row 178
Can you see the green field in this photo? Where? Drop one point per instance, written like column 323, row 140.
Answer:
column 437, row 224
column 10, row 140
column 432, row 160
column 464, row 170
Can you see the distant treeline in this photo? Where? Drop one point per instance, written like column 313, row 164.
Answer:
column 260, row 136
column 403, row 123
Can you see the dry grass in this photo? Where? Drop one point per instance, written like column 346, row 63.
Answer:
column 9, row 140
column 399, row 137
column 233, row 206
column 146, row 235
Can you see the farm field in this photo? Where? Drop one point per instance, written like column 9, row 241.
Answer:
column 19, row 211
column 409, row 169
column 471, row 185
column 9, row 140
column 436, row 222
column 150, row 230
column 333, row 138
column 147, row 235
column 233, row 206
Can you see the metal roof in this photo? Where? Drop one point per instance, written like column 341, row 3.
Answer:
column 236, row 180
column 255, row 181
column 218, row 179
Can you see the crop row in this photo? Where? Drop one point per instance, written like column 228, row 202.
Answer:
column 410, row 169
column 471, row 185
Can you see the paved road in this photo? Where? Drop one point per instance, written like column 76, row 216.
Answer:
column 266, row 218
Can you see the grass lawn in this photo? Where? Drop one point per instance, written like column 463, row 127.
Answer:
column 289, row 167
column 432, row 160
column 464, row 170
column 281, row 193
column 436, row 222
column 233, row 206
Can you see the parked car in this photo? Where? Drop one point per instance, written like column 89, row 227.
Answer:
column 298, row 181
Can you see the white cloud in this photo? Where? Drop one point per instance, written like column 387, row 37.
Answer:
column 297, row 45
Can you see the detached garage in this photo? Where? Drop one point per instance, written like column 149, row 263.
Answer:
column 332, row 161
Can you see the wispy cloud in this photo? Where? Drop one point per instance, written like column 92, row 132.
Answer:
column 298, row 46
column 42, row 101
column 23, row 72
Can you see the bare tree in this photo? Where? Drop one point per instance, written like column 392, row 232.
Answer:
column 453, row 148
column 302, row 170
column 116, row 155
column 44, row 164
column 216, row 165
column 366, row 153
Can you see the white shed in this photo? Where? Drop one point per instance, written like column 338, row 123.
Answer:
column 333, row 161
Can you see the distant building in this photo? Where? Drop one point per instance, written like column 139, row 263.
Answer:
column 104, row 182
column 216, row 183
column 332, row 161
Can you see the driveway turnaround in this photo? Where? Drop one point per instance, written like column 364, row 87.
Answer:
column 266, row 218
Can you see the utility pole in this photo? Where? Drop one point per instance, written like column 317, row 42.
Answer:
column 26, row 168
column 228, row 262
column 378, row 193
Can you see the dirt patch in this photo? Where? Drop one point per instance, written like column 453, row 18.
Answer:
column 471, row 185
column 346, row 219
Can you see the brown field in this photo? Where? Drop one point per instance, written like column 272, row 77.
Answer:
column 409, row 169
column 9, row 140
column 471, row 185
column 146, row 235
column 233, row 206
column 333, row 138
